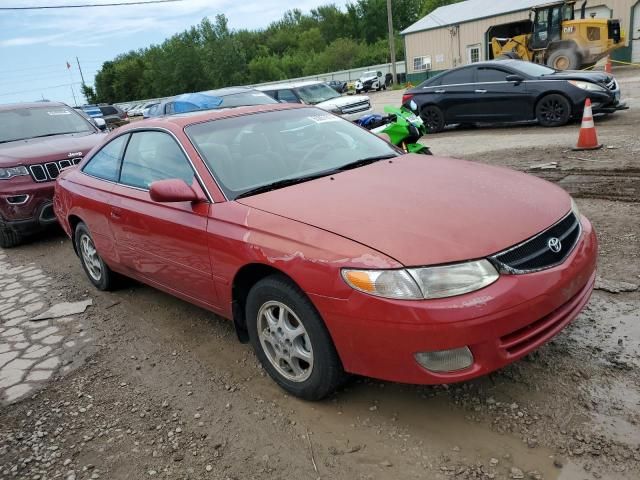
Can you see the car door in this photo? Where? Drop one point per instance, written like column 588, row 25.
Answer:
column 165, row 243
column 496, row 99
column 102, row 171
column 456, row 94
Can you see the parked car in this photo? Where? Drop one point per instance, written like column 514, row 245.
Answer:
column 138, row 110
column 512, row 91
column 321, row 95
column 37, row 141
column 339, row 86
column 370, row 81
column 114, row 116
column 92, row 110
column 131, row 108
column 146, row 108
column 230, row 97
column 97, row 121
column 329, row 249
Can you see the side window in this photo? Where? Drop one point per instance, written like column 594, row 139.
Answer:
column 153, row 156
column 491, row 75
column 169, row 108
column 464, row 75
column 106, row 162
column 288, row 96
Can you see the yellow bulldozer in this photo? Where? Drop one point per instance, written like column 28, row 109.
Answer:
column 554, row 37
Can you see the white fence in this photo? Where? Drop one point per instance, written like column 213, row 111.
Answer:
column 344, row 75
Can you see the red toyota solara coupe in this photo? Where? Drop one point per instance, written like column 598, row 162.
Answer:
column 331, row 250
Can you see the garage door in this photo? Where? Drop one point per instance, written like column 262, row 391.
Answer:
column 635, row 45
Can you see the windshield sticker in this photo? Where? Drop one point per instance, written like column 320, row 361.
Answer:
column 59, row 112
column 323, row 118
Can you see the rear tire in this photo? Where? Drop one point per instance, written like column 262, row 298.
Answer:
column 9, row 238
column 433, row 118
column 291, row 340
column 97, row 271
column 564, row 59
column 553, row 110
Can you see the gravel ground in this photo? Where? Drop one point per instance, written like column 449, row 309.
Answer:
column 159, row 388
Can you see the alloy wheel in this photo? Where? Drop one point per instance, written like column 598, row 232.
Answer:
column 552, row 110
column 285, row 341
column 90, row 257
column 432, row 119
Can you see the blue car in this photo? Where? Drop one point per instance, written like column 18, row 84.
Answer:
column 212, row 99
column 92, row 110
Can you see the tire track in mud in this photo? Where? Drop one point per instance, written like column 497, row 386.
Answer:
column 621, row 185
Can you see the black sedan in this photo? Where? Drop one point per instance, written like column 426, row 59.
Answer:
column 338, row 85
column 511, row 91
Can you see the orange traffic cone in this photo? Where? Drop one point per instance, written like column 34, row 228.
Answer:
column 588, row 139
column 607, row 66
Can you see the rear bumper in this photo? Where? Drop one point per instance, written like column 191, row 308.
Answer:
column 500, row 324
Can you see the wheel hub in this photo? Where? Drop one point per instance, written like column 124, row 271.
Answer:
column 285, row 341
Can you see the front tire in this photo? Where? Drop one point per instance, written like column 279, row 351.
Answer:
column 291, row 340
column 97, row 271
column 553, row 111
column 564, row 59
column 433, row 118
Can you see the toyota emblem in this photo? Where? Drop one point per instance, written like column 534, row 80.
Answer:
column 554, row 244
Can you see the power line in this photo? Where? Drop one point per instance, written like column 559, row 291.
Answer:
column 89, row 5
column 45, row 67
column 39, row 89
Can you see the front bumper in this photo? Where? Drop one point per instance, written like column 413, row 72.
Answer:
column 352, row 117
column 33, row 214
column 500, row 324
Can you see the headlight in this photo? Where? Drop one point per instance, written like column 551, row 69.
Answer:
column 397, row 284
column 591, row 87
column 10, row 172
column 423, row 283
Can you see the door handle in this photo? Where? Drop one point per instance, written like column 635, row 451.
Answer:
column 481, row 91
column 440, row 91
column 116, row 212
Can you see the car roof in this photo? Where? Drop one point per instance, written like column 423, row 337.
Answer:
column 182, row 120
column 276, row 86
column 15, row 106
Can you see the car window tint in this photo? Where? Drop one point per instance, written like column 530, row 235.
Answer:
column 491, row 75
column 106, row 162
column 153, row 156
column 464, row 75
column 169, row 108
column 288, row 96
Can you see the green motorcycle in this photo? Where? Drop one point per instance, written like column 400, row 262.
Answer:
column 401, row 126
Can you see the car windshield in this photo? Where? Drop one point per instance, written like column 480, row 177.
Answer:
column 532, row 69
column 251, row 152
column 24, row 123
column 316, row 93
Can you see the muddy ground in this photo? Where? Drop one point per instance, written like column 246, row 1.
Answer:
column 163, row 389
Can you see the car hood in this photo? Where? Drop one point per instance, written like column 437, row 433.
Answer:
column 423, row 210
column 595, row 77
column 342, row 101
column 46, row 149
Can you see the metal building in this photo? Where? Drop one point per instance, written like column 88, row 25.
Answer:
column 461, row 33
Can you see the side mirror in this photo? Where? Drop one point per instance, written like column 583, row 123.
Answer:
column 517, row 79
column 172, row 190
column 100, row 123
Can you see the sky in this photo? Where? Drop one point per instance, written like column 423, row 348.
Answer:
column 35, row 45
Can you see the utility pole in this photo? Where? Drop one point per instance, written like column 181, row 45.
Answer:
column 392, row 43
column 81, row 76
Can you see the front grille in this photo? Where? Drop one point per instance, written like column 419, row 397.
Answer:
column 47, row 172
column 356, row 107
column 537, row 252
